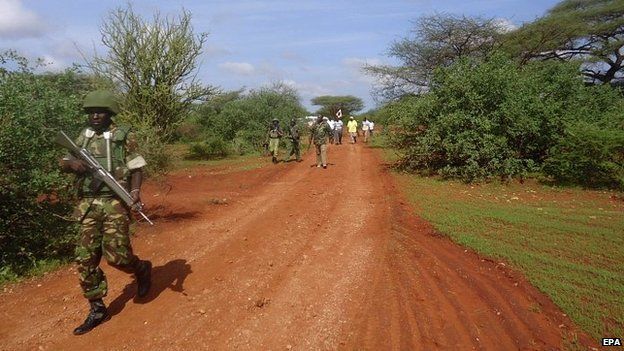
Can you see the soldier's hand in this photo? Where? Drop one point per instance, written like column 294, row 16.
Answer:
column 77, row 166
column 136, row 196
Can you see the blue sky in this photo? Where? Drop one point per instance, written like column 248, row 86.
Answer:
column 317, row 46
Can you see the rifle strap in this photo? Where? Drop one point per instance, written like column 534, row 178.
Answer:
column 88, row 133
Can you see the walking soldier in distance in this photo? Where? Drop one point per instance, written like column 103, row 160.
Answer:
column 275, row 133
column 320, row 133
column 294, row 135
column 104, row 218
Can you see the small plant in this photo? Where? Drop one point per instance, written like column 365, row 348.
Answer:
column 212, row 148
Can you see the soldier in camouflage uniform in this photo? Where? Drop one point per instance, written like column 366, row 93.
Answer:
column 319, row 134
column 104, row 218
column 293, row 133
column 275, row 134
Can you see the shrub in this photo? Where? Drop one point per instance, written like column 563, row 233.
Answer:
column 35, row 198
column 496, row 119
column 244, row 120
column 212, row 148
column 588, row 155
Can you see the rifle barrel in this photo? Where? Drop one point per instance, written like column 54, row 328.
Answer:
column 99, row 172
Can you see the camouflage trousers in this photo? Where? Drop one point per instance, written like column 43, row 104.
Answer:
column 321, row 154
column 295, row 149
column 104, row 231
column 273, row 146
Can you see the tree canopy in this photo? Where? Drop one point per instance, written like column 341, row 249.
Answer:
column 435, row 41
column 153, row 63
column 329, row 105
column 587, row 30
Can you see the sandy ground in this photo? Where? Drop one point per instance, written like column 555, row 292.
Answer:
column 293, row 257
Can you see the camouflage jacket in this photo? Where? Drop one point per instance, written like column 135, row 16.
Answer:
column 123, row 151
column 294, row 132
column 320, row 132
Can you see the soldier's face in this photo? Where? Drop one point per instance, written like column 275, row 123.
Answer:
column 99, row 119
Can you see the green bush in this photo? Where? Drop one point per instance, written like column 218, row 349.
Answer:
column 35, row 198
column 496, row 119
column 188, row 131
column 243, row 120
column 588, row 155
column 212, row 148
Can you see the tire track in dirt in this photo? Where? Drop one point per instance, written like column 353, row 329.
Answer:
column 298, row 258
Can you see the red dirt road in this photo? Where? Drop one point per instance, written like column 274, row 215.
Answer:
column 296, row 257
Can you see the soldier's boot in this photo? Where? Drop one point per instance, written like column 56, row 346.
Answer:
column 144, row 278
column 97, row 315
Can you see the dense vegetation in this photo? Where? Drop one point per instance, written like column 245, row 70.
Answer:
column 35, row 198
column 152, row 65
column 237, row 123
column 514, row 106
column 493, row 118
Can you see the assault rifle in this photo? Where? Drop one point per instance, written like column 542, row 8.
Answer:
column 99, row 173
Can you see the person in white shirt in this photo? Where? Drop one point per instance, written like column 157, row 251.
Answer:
column 338, row 131
column 330, row 122
column 366, row 129
column 371, row 127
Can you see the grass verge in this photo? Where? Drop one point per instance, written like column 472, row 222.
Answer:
column 39, row 268
column 568, row 242
column 231, row 163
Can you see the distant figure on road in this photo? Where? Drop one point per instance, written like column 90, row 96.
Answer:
column 331, row 123
column 319, row 134
column 366, row 129
column 275, row 133
column 338, row 131
column 352, row 129
column 371, row 127
column 294, row 135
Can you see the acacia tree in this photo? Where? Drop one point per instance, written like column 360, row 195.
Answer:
column 587, row 30
column 331, row 104
column 436, row 41
column 154, row 65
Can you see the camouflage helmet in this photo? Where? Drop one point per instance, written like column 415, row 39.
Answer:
column 101, row 98
column 275, row 120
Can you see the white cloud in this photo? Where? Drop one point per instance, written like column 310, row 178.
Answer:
column 293, row 56
column 240, row 68
column 17, row 22
column 213, row 50
column 53, row 64
column 308, row 90
column 359, row 63
column 356, row 68
column 505, row 25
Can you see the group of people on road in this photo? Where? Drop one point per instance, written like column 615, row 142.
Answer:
column 105, row 219
column 322, row 131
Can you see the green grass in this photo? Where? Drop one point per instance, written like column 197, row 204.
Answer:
column 230, row 164
column 39, row 268
column 568, row 242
